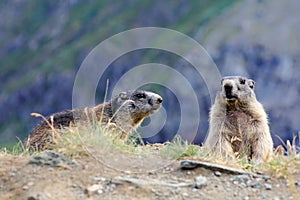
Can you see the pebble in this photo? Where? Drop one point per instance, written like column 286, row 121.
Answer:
column 217, row 173
column 25, row 187
column 12, row 174
column 52, row 159
column 98, row 179
column 30, row 184
column 246, row 198
column 185, row 194
column 242, row 178
column 253, row 184
column 131, row 188
column 243, row 184
column 200, row 181
column 268, row 186
column 297, row 183
column 32, row 198
column 235, row 182
column 94, row 189
column 266, row 177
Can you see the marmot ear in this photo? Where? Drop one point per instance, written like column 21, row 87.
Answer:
column 251, row 83
column 123, row 96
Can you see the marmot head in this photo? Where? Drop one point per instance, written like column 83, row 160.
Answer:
column 137, row 104
column 236, row 88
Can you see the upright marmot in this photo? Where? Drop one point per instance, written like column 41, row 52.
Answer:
column 127, row 110
column 238, row 124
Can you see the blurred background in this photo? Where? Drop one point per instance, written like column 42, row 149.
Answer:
column 43, row 43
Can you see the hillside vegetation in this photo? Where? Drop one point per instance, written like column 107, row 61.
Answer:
column 43, row 44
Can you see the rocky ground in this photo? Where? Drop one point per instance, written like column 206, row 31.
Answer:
column 51, row 175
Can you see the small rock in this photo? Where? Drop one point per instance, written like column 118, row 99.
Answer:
column 32, row 198
column 30, row 184
column 168, row 169
column 268, row 186
column 131, row 188
column 254, row 190
column 259, row 179
column 11, row 174
column 98, row 179
column 200, row 181
column 25, row 187
column 185, row 194
column 217, row 173
column 235, row 182
column 253, row 184
column 287, row 183
column 266, row 177
column 297, row 183
column 246, row 198
column 94, row 189
column 243, row 184
column 50, row 169
column 151, row 173
column 242, row 178
column 52, row 159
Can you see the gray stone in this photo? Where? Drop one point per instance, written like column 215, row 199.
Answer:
column 94, row 189
column 98, row 179
column 52, row 159
column 200, row 181
column 268, row 186
column 217, row 173
column 242, row 178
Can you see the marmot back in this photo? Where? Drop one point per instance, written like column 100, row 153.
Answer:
column 127, row 110
column 238, row 123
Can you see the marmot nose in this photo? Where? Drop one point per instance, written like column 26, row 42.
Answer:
column 228, row 88
column 159, row 100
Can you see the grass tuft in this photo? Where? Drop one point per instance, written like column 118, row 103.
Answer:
column 94, row 139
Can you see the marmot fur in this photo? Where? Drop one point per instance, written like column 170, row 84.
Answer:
column 127, row 110
column 238, row 124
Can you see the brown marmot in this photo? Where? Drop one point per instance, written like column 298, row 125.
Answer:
column 126, row 111
column 238, row 124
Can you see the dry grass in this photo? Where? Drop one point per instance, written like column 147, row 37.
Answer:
column 286, row 161
column 94, row 138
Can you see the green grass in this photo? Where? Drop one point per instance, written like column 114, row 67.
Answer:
column 15, row 149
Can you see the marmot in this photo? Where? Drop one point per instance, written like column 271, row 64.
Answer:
column 238, row 124
column 127, row 110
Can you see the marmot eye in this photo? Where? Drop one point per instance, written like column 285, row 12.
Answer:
column 140, row 96
column 242, row 81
